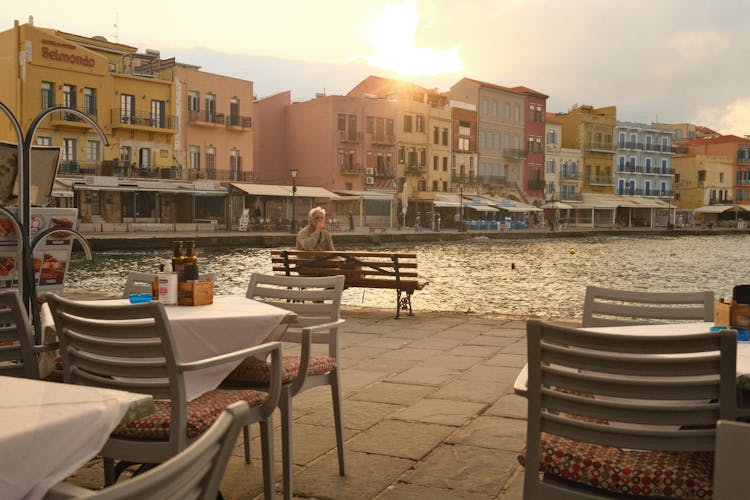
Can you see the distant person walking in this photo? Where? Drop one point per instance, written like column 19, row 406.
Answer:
column 351, row 221
column 314, row 236
column 417, row 224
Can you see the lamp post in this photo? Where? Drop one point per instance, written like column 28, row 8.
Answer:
column 461, row 210
column 294, row 172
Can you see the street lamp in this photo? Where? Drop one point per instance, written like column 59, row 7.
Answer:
column 293, row 172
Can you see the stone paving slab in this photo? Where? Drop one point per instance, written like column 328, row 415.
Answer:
column 429, row 413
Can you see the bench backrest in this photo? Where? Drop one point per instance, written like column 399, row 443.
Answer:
column 363, row 269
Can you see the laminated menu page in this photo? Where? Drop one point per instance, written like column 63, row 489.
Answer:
column 51, row 256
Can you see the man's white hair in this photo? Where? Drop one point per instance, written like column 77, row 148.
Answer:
column 315, row 210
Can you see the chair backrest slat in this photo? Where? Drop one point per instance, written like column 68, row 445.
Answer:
column 17, row 358
column 612, row 307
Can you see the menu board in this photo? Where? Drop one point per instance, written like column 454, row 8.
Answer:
column 52, row 254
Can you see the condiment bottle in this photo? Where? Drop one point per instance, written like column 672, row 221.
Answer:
column 178, row 261
column 191, row 262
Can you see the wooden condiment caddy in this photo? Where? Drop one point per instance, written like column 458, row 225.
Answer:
column 195, row 293
column 731, row 314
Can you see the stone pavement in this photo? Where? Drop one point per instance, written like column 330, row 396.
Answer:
column 429, row 413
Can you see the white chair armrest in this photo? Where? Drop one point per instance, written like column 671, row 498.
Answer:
column 306, row 341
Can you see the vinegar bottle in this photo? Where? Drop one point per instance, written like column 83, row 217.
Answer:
column 191, row 262
column 178, row 261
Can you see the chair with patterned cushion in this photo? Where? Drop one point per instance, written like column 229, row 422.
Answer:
column 317, row 303
column 195, row 472
column 612, row 414
column 612, row 307
column 131, row 347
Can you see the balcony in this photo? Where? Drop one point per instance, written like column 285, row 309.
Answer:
column 463, row 179
column 570, row 176
column 116, row 168
column 63, row 119
column 415, row 169
column 353, row 169
column 230, row 175
column 493, row 180
column 238, row 122
column 382, row 139
column 514, row 153
column 600, row 180
column 350, row 136
column 606, row 147
column 140, row 120
column 205, row 117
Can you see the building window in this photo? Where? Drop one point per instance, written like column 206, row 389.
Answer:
column 463, row 144
column 93, row 151
column 445, row 163
column 412, row 157
column 195, row 158
column 70, row 150
column 550, row 166
column 210, row 108
column 464, row 128
column 420, row 124
column 422, row 157
column 341, row 123
column 211, row 159
column 401, row 154
column 552, row 137
column 407, row 123
column 194, row 101
column 445, row 136
column 389, row 126
column 144, row 156
column 158, row 109
column 235, row 164
column 506, row 111
column 127, row 108
column 89, row 101
column 340, row 158
column 126, row 154
column 434, row 185
column 436, row 135
column 43, row 140
column 69, row 96
column 435, row 162
column 48, row 95
column 234, row 112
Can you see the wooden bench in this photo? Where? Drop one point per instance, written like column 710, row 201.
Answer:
column 360, row 269
column 377, row 227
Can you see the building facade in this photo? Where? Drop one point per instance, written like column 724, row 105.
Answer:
column 702, row 180
column 729, row 146
column 562, row 176
column 643, row 160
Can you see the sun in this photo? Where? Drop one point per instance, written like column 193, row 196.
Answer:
column 392, row 39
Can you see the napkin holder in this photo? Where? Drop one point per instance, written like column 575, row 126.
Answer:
column 195, row 293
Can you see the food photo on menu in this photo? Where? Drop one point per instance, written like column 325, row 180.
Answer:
column 53, row 267
column 7, row 268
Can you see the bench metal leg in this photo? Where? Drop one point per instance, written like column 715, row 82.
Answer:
column 403, row 303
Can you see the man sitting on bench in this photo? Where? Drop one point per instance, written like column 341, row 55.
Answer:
column 314, row 236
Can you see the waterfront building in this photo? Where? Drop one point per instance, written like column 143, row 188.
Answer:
column 643, row 160
column 423, row 137
column 131, row 96
column 562, row 175
column 701, row 180
column 535, row 104
column 592, row 131
column 501, row 134
column 729, row 146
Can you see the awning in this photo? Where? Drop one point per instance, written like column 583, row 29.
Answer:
column 312, row 192
column 481, row 208
column 556, row 205
column 720, row 209
column 519, row 209
column 130, row 185
column 350, row 195
column 443, row 204
column 263, row 189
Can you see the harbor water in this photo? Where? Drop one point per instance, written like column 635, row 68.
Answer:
column 533, row 278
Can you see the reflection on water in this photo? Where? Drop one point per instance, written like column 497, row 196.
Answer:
column 549, row 278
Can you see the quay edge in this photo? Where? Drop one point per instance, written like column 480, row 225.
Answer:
column 162, row 240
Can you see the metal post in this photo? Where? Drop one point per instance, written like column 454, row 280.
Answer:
column 294, row 172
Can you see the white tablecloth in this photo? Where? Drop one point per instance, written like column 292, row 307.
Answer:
column 231, row 323
column 49, row 430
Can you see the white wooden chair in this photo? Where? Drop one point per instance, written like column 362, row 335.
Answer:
column 731, row 478
column 317, row 302
column 609, row 414
column 612, row 307
column 195, row 472
column 130, row 347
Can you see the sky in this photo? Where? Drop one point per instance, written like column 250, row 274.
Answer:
column 655, row 60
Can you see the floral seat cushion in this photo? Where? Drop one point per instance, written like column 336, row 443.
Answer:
column 256, row 371
column 201, row 413
column 629, row 472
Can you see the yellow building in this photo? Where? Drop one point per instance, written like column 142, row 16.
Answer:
column 132, row 97
column 702, row 180
column 592, row 131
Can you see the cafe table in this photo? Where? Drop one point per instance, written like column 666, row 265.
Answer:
column 49, row 430
column 231, row 323
column 743, row 348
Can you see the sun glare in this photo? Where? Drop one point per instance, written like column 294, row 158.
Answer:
column 392, row 40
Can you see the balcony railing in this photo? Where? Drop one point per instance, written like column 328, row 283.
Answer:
column 231, row 175
column 350, row 136
column 415, row 169
column 599, row 146
column 354, row 169
column 535, row 184
column 570, row 176
column 122, row 116
column 239, row 121
column 495, row 180
column 514, row 153
column 205, row 116
column 383, row 139
column 62, row 118
column 116, row 168
column 601, row 180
